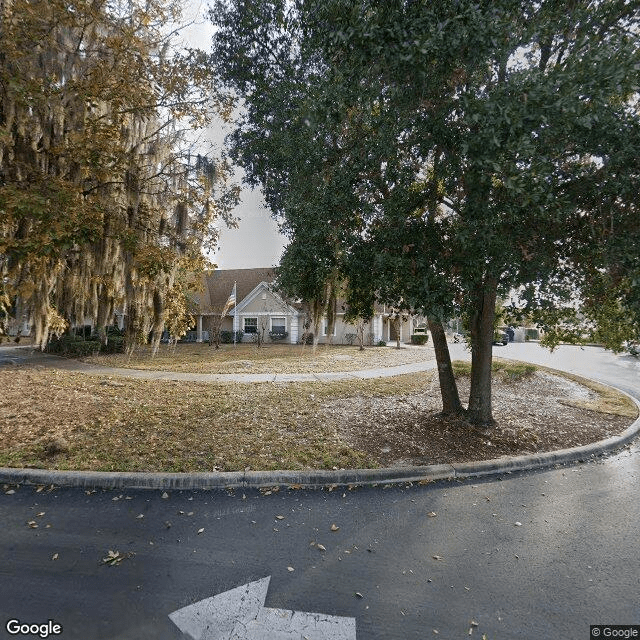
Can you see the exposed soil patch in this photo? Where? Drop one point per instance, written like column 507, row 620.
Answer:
column 542, row 412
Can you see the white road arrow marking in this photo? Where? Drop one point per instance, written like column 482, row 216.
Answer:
column 240, row 614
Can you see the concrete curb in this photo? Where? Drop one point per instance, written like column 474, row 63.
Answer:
column 315, row 479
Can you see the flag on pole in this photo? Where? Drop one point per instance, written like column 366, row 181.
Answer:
column 235, row 316
column 230, row 302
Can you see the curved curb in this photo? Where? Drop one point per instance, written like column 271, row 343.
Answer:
column 320, row 478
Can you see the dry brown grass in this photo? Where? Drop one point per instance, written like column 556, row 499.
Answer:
column 603, row 400
column 270, row 358
column 56, row 419
column 124, row 424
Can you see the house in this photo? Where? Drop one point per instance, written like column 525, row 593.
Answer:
column 260, row 308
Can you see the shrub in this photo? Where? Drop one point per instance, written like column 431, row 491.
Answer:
column 73, row 346
column 419, row 338
column 381, row 343
column 277, row 335
column 84, row 333
column 350, row 338
column 309, row 339
column 115, row 344
column 226, row 337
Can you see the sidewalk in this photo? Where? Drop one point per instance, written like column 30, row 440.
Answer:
column 26, row 356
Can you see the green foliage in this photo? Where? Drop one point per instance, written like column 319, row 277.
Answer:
column 73, row 346
column 510, row 371
column 77, row 346
column 115, row 344
column 514, row 372
column 226, row 337
column 434, row 154
column 419, row 338
column 380, row 343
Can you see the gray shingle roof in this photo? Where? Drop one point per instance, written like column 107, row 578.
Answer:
column 218, row 285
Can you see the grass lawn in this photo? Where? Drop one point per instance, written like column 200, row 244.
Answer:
column 270, row 358
column 61, row 420
column 114, row 424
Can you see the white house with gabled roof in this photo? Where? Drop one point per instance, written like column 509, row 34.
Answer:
column 259, row 307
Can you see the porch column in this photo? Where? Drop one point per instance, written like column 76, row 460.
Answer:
column 293, row 330
column 377, row 328
column 199, row 332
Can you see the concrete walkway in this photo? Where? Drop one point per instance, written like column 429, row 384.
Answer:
column 26, row 356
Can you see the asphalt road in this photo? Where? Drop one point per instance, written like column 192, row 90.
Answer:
column 536, row 555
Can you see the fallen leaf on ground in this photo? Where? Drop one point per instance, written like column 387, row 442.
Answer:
column 200, row 531
column 432, row 514
column 55, row 556
column 334, row 527
column 437, row 557
column 114, row 558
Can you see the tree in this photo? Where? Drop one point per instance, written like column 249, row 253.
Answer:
column 103, row 205
column 458, row 149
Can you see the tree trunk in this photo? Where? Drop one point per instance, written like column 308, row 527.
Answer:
column 482, row 317
column 448, row 387
column 360, row 333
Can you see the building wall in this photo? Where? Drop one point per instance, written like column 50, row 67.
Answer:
column 345, row 333
column 342, row 333
column 265, row 303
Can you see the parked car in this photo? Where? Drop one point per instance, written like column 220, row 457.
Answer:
column 501, row 338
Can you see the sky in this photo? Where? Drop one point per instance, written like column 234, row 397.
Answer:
column 256, row 242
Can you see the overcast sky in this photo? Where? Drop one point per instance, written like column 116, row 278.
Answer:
column 256, row 242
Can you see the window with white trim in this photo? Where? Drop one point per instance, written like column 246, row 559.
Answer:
column 251, row 325
column 325, row 327
column 278, row 325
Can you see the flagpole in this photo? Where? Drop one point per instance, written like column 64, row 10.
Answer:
column 235, row 312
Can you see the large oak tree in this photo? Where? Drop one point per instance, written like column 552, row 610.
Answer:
column 446, row 152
